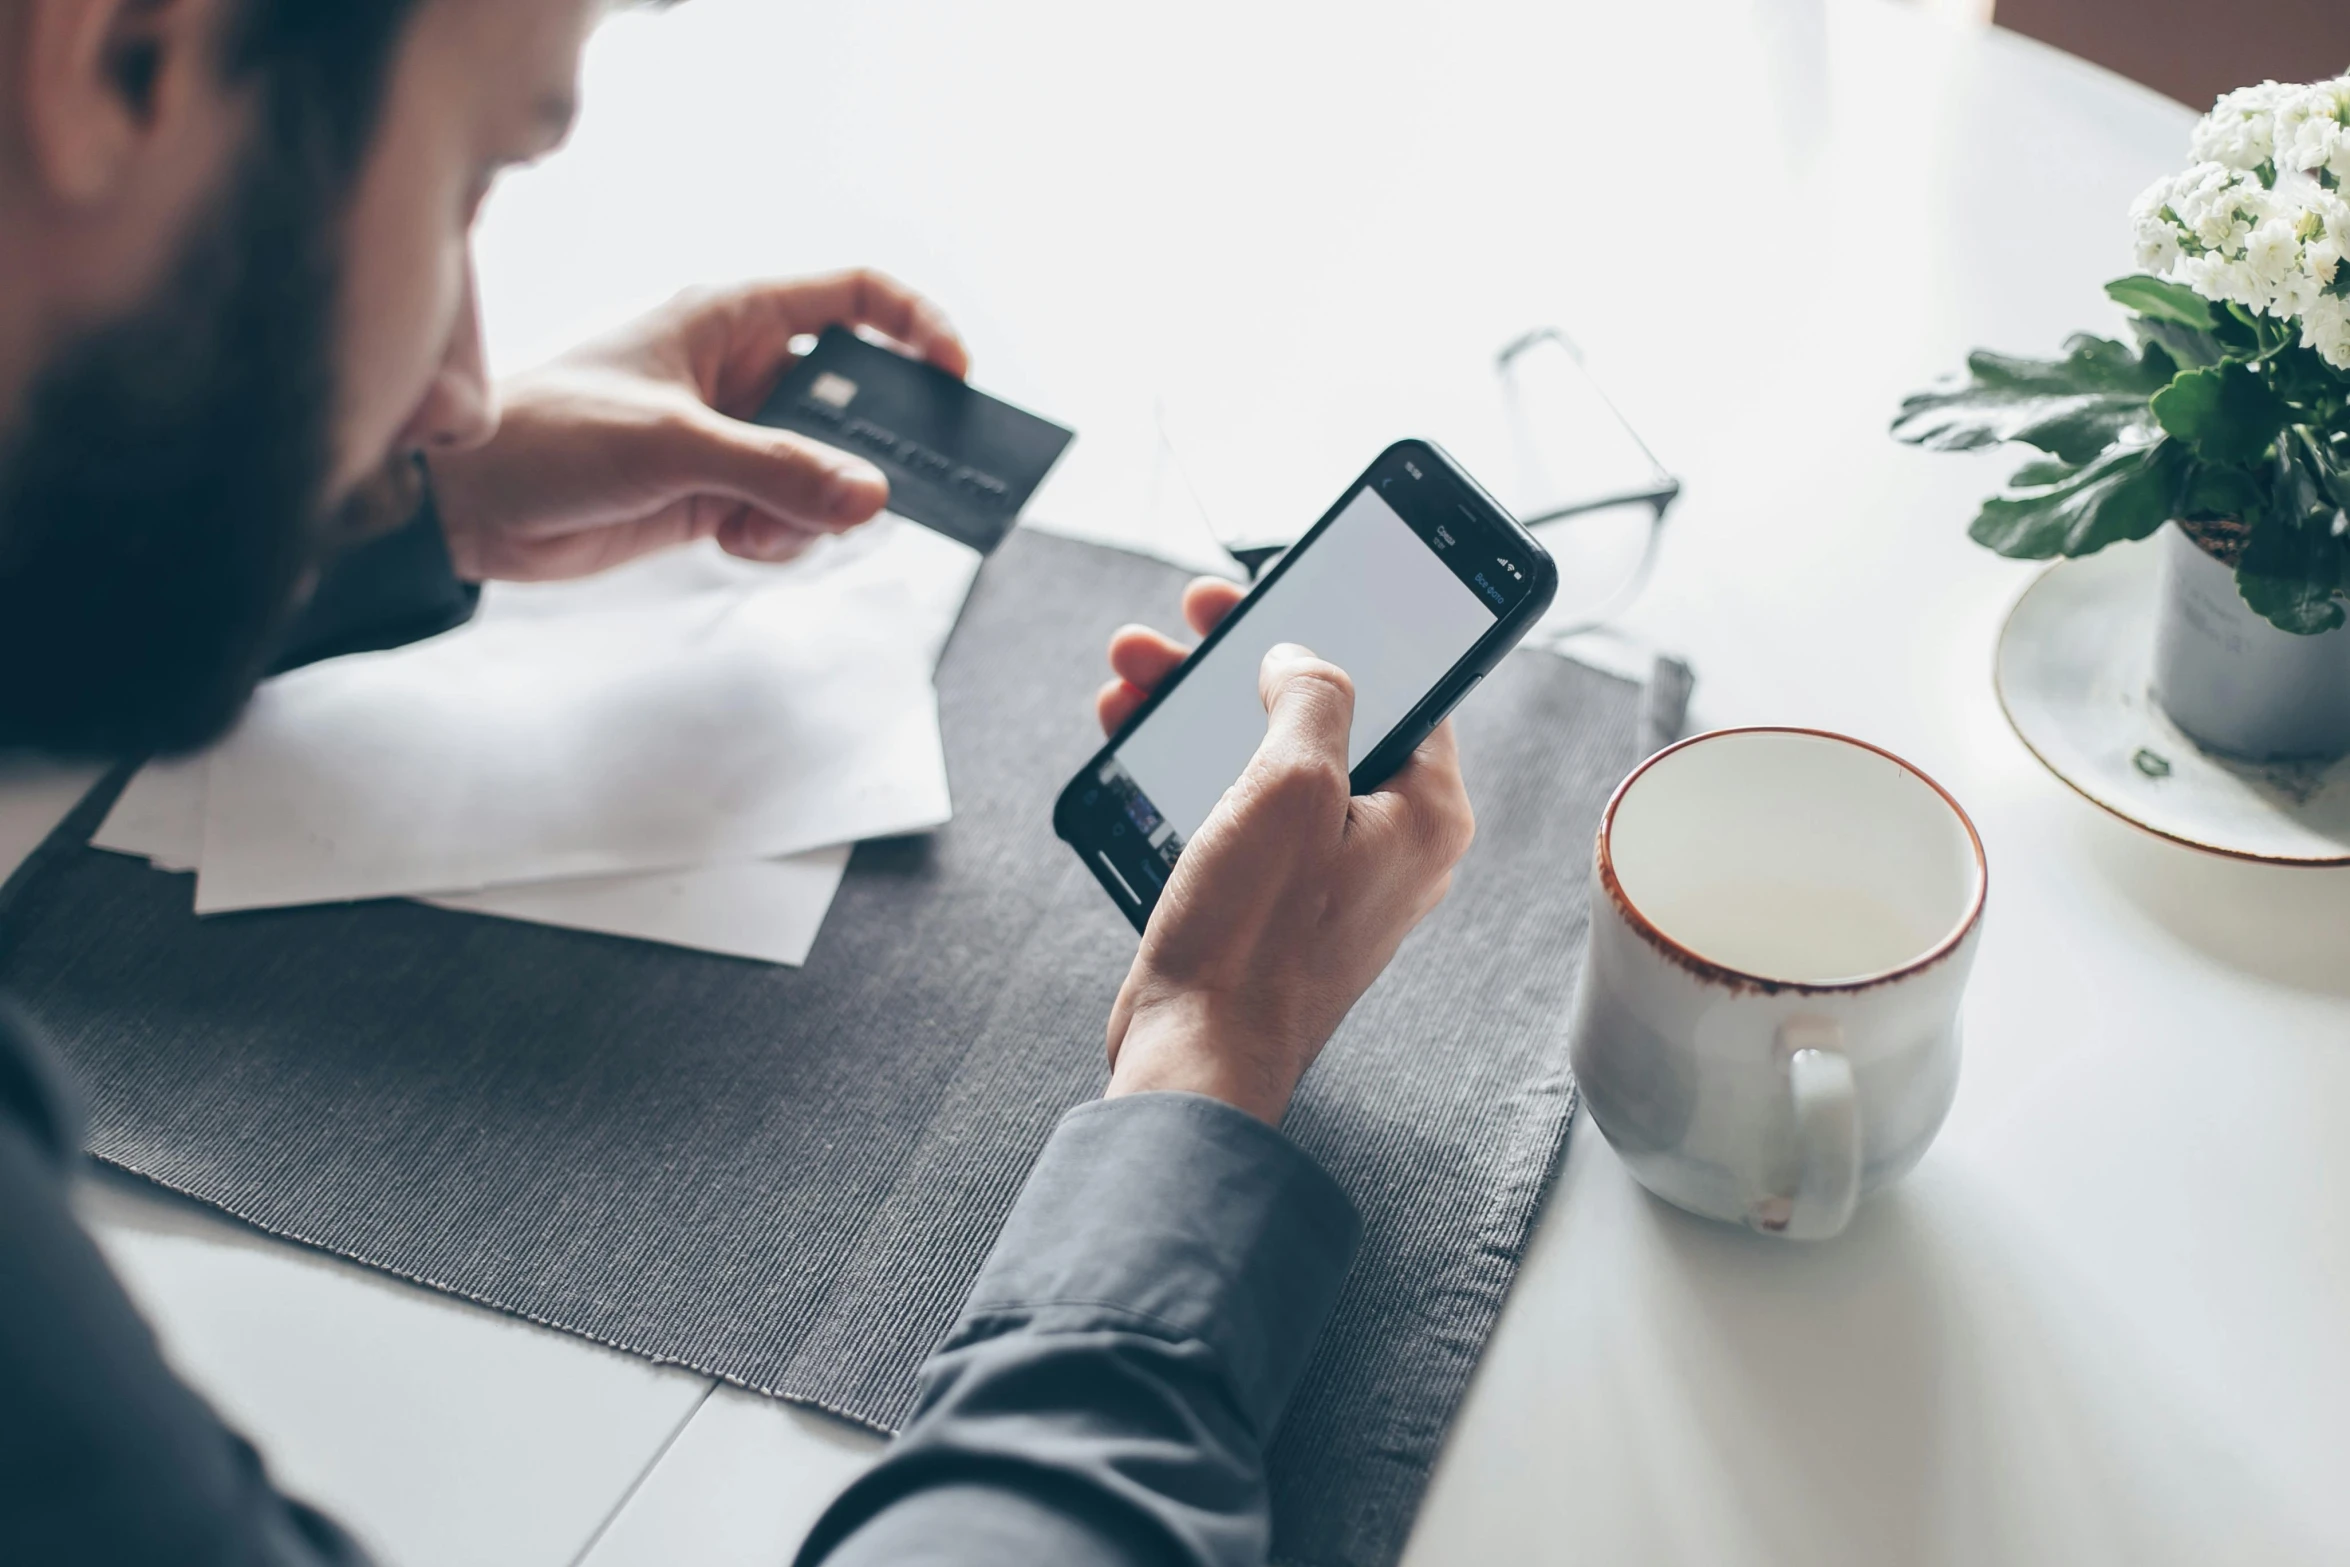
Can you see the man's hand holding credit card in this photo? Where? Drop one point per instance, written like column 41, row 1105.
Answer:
column 958, row 461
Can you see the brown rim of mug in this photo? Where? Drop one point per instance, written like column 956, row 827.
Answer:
column 1738, row 979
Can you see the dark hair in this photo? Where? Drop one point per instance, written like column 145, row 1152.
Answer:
column 323, row 66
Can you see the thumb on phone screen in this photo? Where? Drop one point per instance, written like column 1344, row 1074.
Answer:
column 1288, row 902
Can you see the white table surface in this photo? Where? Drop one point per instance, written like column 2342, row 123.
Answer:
column 2103, row 1322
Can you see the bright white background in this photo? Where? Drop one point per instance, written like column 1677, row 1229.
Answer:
column 2103, row 1322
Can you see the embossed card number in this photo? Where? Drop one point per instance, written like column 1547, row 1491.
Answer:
column 958, row 461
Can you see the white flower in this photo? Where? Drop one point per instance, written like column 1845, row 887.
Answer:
column 2321, row 257
column 2311, row 130
column 2205, row 209
column 2216, row 206
column 2325, row 328
column 2273, row 271
column 2216, row 277
column 2325, row 237
column 2239, row 132
column 2332, row 213
column 2158, row 247
column 2275, row 239
column 2157, row 235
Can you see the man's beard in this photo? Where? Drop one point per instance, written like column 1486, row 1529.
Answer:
column 161, row 497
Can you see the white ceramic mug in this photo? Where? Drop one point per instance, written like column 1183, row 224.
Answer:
column 1782, row 922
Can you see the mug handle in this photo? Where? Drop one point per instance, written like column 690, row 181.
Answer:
column 1827, row 1128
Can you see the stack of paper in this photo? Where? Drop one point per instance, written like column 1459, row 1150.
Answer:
column 680, row 750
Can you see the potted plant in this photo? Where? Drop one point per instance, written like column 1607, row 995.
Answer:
column 2228, row 419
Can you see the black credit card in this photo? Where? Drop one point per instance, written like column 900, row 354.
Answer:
column 957, row 460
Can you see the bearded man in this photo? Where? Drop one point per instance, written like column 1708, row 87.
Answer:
column 244, row 423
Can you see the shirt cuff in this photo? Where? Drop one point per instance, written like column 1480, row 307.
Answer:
column 1177, row 1215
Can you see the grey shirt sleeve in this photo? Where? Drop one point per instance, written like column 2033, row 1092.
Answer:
column 1108, row 1392
column 1105, row 1397
column 106, row 1458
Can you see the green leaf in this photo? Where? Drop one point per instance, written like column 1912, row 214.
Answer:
column 2213, row 492
column 2250, row 333
column 2041, row 471
column 2294, row 577
column 2227, row 413
column 2232, row 329
column 2296, row 566
column 2158, row 300
column 2185, row 344
column 2073, row 408
column 2328, row 467
column 2125, row 494
column 2306, row 382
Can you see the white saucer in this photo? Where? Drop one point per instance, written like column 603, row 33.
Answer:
column 2072, row 675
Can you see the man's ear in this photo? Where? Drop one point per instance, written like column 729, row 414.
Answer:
column 106, row 83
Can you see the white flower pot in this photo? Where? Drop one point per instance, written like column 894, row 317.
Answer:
column 2234, row 683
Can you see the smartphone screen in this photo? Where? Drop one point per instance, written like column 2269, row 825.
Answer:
column 1407, row 579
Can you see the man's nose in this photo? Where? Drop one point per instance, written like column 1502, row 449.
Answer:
column 461, row 409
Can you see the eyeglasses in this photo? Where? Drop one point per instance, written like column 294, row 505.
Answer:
column 1588, row 486
column 1568, row 464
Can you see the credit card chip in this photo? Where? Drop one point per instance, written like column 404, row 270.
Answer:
column 833, row 389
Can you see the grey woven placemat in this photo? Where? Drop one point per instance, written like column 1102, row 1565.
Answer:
column 787, row 1178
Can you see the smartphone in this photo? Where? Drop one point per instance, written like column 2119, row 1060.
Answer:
column 1416, row 582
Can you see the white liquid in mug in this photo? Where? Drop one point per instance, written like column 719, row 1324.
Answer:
column 1808, row 934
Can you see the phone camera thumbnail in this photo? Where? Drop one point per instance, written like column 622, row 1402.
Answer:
column 1155, row 830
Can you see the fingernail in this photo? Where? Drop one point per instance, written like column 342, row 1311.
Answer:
column 855, row 491
column 1288, row 652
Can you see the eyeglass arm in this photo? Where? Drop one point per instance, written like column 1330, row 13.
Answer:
column 1658, row 499
column 1551, row 334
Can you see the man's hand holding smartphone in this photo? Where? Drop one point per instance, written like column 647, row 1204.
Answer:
column 1293, row 895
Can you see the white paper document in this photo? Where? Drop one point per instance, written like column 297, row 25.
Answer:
column 765, row 909
column 870, row 604
column 769, row 910
column 159, row 816
column 688, row 711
